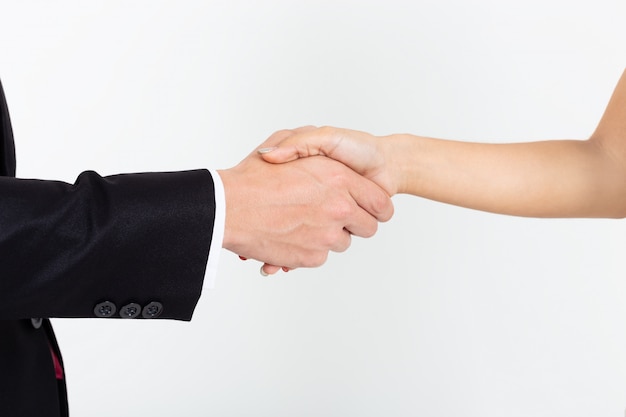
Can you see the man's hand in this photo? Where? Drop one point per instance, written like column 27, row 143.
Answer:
column 293, row 214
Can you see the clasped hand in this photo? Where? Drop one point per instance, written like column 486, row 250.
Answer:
column 292, row 215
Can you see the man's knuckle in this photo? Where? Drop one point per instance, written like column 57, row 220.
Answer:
column 315, row 259
column 382, row 207
column 327, row 239
column 345, row 243
column 371, row 229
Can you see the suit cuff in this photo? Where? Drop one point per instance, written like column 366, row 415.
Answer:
column 218, row 231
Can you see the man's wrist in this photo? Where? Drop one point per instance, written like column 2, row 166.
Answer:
column 229, row 192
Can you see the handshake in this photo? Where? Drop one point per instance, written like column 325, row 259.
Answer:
column 305, row 192
column 288, row 210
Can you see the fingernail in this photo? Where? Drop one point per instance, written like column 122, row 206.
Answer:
column 285, row 269
column 262, row 271
column 267, row 150
column 242, row 258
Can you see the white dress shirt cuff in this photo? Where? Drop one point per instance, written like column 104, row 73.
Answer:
column 218, row 231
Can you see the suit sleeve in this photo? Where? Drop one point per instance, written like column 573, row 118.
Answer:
column 138, row 240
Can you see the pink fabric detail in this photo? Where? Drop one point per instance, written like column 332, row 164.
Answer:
column 58, row 370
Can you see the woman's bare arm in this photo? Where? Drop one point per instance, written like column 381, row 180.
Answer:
column 552, row 178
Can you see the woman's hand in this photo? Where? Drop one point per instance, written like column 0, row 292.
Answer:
column 360, row 151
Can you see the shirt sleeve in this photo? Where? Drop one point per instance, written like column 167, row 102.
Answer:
column 218, row 231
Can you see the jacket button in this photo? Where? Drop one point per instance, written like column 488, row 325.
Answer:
column 152, row 310
column 36, row 322
column 105, row 309
column 130, row 311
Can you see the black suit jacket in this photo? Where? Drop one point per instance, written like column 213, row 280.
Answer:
column 133, row 244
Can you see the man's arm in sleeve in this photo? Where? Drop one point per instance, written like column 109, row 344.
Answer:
column 94, row 248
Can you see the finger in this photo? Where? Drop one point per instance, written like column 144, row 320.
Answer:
column 370, row 197
column 280, row 136
column 341, row 241
column 270, row 269
column 276, row 138
column 361, row 224
column 304, row 142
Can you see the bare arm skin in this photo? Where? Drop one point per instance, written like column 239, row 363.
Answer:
column 555, row 178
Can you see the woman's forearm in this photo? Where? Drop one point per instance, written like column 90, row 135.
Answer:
column 558, row 178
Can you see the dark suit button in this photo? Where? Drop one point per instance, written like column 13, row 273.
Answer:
column 130, row 311
column 152, row 310
column 36, row 322
column 105, row 309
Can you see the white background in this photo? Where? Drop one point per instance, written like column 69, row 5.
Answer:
column 447, row 311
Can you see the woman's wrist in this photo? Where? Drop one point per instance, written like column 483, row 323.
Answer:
column 399, row 155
